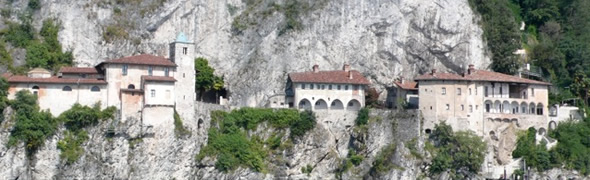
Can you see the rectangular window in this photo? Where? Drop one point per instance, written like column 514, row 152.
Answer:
column 476, row 106
column 125, row 69
column 311, row 86
column 469, row 91
column 150, row 70
column 184, row 50
column 501, row 91
column 444, row 91
column 338, row 86
column 153, row 93
column 448, row 107
column 485, row 92
column 533, row 92
column 470, row 108
column 302, row 86
column 330, row 87
column 323, row 86
column 345, row 87
column 459, row 91
column 166, row 72
column 462, row 107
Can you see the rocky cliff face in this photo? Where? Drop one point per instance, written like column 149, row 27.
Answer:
column 256, row 43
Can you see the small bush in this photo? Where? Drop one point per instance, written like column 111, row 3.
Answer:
column 363, row 117
column 70, row 146
column 114, row 32
column 19, row 35
column 382, row 162
column 307, row 169
column 34, row 4
column 179, row 129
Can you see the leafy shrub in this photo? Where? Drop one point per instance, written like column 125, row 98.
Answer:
column 363, row 117
column 455, row 151
column 229, row 142
column 70, row 146
column 19, row 35
column 32, row 126
column 34, row 4
column 382, row 163
column 114, row 32
column 307, row 169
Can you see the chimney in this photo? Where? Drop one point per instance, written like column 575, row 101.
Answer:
column 471, row 69
column 346, row 67
column 316, row 68
column 433, row 72
column 349, row 74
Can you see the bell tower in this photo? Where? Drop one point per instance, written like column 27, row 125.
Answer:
column 182, row 53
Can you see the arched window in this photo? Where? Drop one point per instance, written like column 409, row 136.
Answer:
column 66, row 88
column 131, row 86
column 35, row 90
column 95, row 89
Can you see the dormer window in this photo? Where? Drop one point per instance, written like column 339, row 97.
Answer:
column 184, row 50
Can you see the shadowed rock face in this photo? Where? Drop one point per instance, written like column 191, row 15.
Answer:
column 383, row 39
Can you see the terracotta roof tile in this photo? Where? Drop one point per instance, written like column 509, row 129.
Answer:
column 53, row 80
column 408, row 85
column 78, row 70
column 340, row 77
column 158, row 78
column 479, row 75
column 144, row 59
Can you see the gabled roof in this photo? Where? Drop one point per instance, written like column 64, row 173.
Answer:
column 144, row 59
column 158, row 78
column 78, row 70
column 333, row 77
column 51, row 80
column 407, row 85
column 478, row 75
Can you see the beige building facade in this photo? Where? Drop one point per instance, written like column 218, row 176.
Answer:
column 482, row 101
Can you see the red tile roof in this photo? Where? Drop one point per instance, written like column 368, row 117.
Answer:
column 144, row 59
column 52, row 80
column 340, row 77
column 78, row 70
column 407, row 85
column 158, row 78
column 479, row 75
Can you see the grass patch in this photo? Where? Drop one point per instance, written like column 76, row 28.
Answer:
column 412, row 145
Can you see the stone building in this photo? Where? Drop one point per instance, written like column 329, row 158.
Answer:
column 326, row 90
column 482, row 101
column 144, row 87
column 405, row 92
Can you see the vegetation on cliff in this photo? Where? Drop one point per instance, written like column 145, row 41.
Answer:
column 233, row 144
column 460, row 152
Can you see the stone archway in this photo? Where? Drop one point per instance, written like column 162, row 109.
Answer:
column 304, row 104
column 353, row 105
column 320, row 104
column 336, row 105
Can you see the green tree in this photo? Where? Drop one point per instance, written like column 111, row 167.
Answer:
column 205, row 77
column 456, row 151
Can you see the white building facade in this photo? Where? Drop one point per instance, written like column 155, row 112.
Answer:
column 144, row 87
column 327, row 90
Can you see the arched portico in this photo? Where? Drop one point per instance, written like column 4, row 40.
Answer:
column 497, row 105
column 506, row 107
column 489, row 106
column 320, row 104
column 524, row 108
column 336, row 105
column 304, row 104
column 532, row 108
column 539, row 109
column 353, row 105
column 514, row 107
